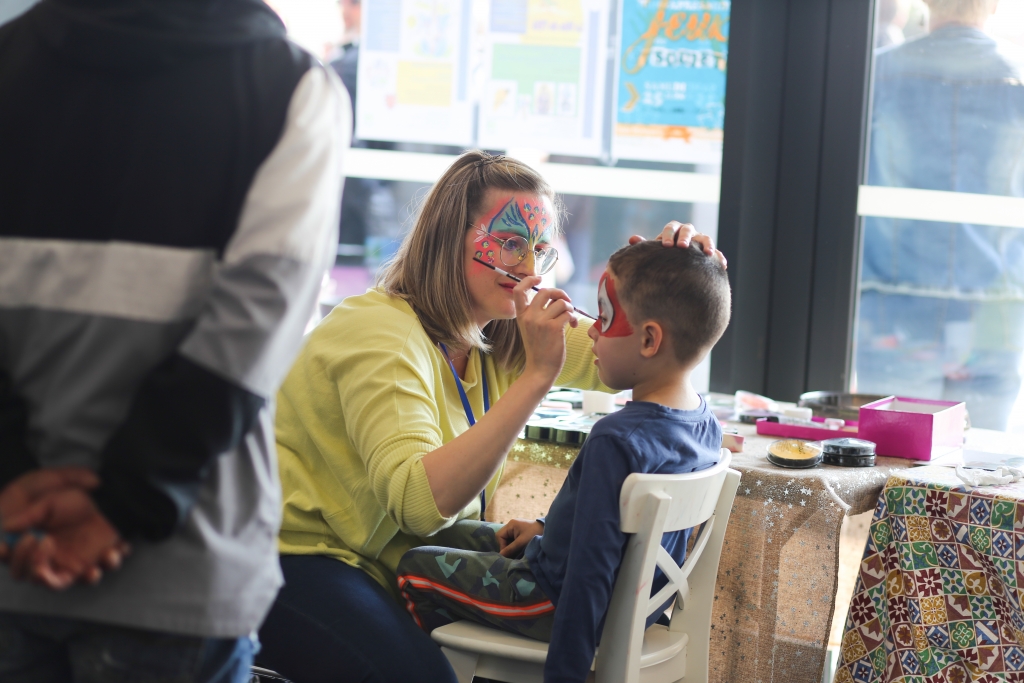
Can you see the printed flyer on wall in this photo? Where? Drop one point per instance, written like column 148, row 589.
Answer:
column 414, row 72
column 544, row 84
column 670, row 80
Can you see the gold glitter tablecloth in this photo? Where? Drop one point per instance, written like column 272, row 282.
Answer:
column 777, row 578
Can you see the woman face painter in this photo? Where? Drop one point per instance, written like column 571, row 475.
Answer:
column 395, row 420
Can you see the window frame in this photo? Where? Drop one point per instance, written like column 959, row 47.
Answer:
column 797, row 103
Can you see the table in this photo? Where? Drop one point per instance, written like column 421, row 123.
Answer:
column 941, row 586
column 776, row 585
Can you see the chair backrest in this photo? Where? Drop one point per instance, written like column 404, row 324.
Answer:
column 651, row 505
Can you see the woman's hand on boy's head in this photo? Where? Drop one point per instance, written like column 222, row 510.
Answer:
column 513, row 537
column 680, row 235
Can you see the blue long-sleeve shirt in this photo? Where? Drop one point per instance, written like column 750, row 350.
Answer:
column 577, row 559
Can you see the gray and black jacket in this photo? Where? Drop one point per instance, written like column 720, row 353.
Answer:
column 170, row 173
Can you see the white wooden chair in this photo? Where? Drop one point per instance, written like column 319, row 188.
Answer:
column 651, row 504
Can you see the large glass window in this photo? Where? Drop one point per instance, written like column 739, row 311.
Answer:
column 625, row 124
column 940, row 309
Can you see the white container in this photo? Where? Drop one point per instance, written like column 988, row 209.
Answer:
column 598, row 402
column 799, row 413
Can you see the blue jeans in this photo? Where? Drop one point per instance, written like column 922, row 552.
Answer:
column 929, row 347
column 333, row 623
column 39, row 649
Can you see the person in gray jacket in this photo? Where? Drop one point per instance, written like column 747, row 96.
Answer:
column 169, row 191
column 941, row 311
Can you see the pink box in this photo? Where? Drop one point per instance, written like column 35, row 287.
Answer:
column 915, row 428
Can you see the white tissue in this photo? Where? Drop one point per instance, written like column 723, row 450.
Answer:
column 978, row 477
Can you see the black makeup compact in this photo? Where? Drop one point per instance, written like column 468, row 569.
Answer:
column 848, row 452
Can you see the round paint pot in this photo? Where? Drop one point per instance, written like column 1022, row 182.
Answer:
column 794, row 453
column 848, row 452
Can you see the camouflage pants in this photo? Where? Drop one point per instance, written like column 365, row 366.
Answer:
column 464, row 577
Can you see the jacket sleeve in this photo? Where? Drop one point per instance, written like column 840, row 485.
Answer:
column 392, row 414
column 596, row 549
column 202, row 401
column 15, row 457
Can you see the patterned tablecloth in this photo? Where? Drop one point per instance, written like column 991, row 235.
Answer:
column 941, row 586
column 777, row 579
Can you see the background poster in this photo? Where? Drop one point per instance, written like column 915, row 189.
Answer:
column 544, row 75
column 670, row 80
column 414, row 64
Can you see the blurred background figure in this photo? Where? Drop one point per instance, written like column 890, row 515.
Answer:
column 354, row 208
column 941, row 310
column 892, row 18
column 370, row 229
column 351, row 19
column 917, row 20
column 344, row 56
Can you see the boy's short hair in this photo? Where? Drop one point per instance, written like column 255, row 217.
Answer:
column 683, row 289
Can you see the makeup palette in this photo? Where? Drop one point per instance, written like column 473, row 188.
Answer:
column 794, row 453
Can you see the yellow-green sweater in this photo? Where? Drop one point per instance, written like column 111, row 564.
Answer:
column 368, row 397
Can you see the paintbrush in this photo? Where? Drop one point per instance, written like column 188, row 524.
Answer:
column 510, row 275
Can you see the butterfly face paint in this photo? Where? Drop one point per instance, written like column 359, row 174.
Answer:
column 524, row 217
column 613, row 321
column 487, row 249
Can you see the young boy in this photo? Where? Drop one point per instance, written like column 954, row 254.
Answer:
column 660, row 312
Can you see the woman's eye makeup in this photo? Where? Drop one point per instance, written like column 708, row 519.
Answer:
column 521, row 217
column 515, row 227
column 500, row 239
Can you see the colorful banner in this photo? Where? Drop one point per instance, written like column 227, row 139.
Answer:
column 545, row 74
column 670, row 82
column 414, row 66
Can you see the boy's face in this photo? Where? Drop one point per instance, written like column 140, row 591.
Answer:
column 616, row 346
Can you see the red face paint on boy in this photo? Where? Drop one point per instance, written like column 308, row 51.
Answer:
column 613, row 321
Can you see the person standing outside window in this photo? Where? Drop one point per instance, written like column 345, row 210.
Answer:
column 942, row 304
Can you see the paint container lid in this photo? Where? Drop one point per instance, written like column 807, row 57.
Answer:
column 848, row 446
column 849, row 452
column 794, row 453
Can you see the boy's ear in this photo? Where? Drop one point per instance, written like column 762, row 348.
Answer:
column 652, row 336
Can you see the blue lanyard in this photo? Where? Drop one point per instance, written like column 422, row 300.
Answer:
column 469, row 409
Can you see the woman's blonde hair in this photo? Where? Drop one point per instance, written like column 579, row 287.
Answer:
column 429, row 269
